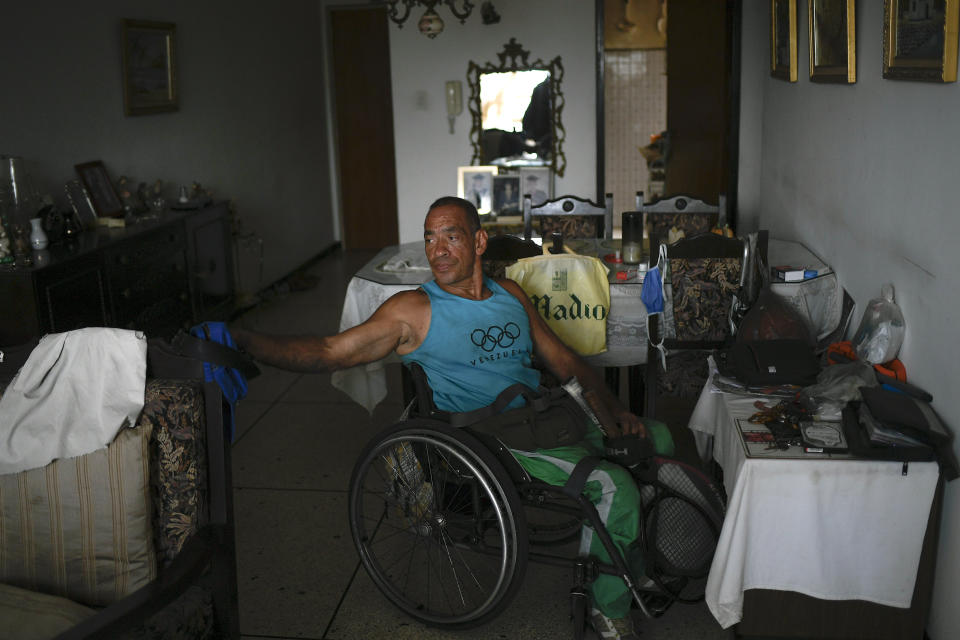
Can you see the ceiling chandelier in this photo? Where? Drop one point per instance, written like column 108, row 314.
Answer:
column 430, row 23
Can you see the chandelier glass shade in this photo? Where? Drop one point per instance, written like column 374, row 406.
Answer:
column 430, row 23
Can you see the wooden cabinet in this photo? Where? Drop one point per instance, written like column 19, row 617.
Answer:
column 156, row 276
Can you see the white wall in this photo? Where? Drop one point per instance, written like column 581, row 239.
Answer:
column 427, row 155
column 866, row 176
column 250, row 124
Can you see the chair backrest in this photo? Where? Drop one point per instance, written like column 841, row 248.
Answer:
column 690, row 215
column 571, row 216
column 706, row 273
column 503, row 251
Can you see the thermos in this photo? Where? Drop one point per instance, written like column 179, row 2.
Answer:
column 632, row 226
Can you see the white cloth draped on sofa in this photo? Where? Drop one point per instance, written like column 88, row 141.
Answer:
column 72, row 396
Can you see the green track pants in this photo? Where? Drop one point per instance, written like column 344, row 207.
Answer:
column 614, row 493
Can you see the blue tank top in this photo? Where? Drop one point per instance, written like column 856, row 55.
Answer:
column 474, row 349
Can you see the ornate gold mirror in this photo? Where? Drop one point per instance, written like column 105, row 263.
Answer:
column 517, row 109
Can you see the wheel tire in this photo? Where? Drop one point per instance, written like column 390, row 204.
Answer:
column 441, row 533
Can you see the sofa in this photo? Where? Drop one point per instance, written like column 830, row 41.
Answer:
column 134, row 540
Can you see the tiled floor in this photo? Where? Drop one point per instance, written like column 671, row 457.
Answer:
column 297, row 439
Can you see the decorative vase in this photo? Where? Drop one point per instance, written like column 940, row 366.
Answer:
column 38, row 237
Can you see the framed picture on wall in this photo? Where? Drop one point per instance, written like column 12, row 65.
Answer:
column 149, row 67
column 783, row 39
column 475, row 184
column 832, row 35
column 506, row 195
column 102, row 193
column 920, row 40
column 536, row 182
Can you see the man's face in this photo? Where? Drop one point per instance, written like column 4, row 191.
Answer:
column 451, row 248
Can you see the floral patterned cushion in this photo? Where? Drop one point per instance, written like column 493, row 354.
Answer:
column 570, row 226
column 692, row 224
column 703, row 290
column 178, row 457
column 685, row 375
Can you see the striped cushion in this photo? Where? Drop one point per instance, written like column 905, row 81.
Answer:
column 80, row 527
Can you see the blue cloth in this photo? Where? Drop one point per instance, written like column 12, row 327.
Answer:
column 231, row 381
column 474, row 349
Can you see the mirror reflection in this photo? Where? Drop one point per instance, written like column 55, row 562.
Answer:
column 516, row 118
column 516, row 107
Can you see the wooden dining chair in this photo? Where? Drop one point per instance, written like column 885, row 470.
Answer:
column 690, row 215
column 570, row 216
column 503, row 251
column 703, row 275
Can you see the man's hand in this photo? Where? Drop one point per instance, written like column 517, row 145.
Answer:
column 630, row 424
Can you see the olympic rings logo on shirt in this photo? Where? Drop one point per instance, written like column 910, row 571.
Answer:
column 495, row 336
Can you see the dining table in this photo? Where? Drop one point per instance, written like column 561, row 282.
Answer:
column 404, row 267
column 848, row 542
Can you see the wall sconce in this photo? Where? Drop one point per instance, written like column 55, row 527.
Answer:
column 430, row 23
column 454, row 93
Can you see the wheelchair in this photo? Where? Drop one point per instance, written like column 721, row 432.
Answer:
column 445, row 521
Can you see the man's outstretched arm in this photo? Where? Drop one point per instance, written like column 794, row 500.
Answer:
column 391, row 327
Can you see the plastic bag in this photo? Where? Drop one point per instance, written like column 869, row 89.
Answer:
column 572, row 294
column 880, row 334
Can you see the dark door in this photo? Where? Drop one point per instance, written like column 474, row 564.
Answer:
column 699, row 54
column 364, row 125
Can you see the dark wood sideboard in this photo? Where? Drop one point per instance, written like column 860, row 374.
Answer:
column 156, row 276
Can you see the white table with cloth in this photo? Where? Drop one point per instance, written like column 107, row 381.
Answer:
column 404, row 267
column 830, row 527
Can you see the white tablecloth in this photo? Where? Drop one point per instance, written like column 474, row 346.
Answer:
column 831, row 529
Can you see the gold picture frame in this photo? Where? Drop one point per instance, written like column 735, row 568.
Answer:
column 783, row 39
column 909, row 57
column 149, row 67
column 833, row 49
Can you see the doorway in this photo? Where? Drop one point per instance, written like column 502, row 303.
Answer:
column 363, row 112
column 667, row 66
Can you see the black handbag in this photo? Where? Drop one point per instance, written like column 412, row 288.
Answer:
column 764, row 363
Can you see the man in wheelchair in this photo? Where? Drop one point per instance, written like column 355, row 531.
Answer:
column 475, row 336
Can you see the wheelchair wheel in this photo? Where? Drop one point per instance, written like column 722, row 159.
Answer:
column 438, row 524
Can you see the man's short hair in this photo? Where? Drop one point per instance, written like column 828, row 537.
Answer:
column 468, row 208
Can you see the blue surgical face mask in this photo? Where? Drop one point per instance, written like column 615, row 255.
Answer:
column 652, row 292
column 652, row 296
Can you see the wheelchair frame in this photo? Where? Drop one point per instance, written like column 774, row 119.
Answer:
column 444, row 542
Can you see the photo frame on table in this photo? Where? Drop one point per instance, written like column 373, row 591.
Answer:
column 832, row 36
column 102, row 193
column 149, row 67
column 536, row 182
column 783, row 39
column 920, row 45
column 80, row 203
column 475, row 183
column 506, row 195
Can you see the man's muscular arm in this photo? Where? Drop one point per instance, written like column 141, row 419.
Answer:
column 564, row 363
column 393, row 326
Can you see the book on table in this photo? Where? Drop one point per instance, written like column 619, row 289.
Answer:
column 787, row 273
